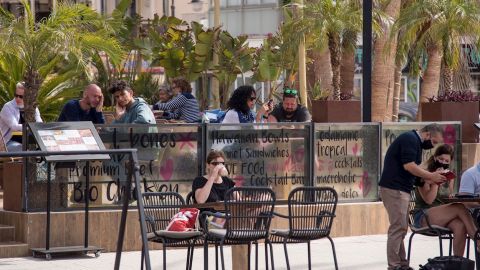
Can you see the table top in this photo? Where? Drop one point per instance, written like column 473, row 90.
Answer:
column 16, row 133
column 461, row 199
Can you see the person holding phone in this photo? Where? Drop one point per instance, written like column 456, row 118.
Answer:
column 212, row 186
column 454, row 216
column 129, row 110
column 241, row 104
column 289, row 110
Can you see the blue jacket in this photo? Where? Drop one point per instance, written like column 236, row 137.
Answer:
column 138, row 113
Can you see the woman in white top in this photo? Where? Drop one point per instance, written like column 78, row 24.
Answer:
column 240, row 106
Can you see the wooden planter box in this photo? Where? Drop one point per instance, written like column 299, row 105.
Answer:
column 336, row 111
column 466, row 112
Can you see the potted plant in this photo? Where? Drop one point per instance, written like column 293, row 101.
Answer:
column 455, row 106
column 325, row 110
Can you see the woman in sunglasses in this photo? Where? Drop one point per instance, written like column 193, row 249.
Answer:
column 212, row 186
column 428, row 204
column 241, row 104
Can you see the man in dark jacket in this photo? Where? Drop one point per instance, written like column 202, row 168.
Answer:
column 89, row 108
column 401, row 167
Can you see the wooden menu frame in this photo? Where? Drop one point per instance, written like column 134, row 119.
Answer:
column 68, row 136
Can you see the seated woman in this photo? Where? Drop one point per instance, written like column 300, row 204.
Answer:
column 454, row 215
column 212, row 186
column 241, row 104
column 183, row 105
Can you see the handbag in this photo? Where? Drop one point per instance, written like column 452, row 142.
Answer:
column 185, row 220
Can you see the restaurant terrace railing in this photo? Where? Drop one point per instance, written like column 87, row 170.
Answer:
column 346, row 157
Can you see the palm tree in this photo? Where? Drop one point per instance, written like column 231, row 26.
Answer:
column 384, row 61
column 72, row 33
column 332, row 21
column 438, row 29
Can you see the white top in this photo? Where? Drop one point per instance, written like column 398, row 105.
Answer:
column 231, row 117
column 9, row 118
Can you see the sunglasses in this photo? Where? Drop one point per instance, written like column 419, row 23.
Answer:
column 290, row 92
column 18, row 96
column 253, row 98
column 215, row 163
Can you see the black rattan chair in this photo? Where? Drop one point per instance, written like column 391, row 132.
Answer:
column 310, row 217
column 160, row 207
column 248, row 213
column 430, row 230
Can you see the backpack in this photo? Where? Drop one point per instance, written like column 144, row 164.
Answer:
column 215, row 116
column 448, row 263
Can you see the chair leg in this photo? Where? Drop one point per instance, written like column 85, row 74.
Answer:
column 409, row 246
column 221, row 255
column 205, row 255
column 164, row 256
column 256, row 256
column 334, row 252
column 441, row 245
column 188, row 258
column 450, row 247
column 271, row 254
column 468, row 247
column 142, row 258
column 266, row 253
column 309, row 256
column 216, row 256
column 286, row 253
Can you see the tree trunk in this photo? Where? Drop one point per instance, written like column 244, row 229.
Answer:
column 33, row 81
column 335, row 61
column 447, row 78
column 431, row 77
column 347, row 72
column 396, row 92
column 323, row 69
column 383, row 65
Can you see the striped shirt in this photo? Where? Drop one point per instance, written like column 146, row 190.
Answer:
column 185, row 108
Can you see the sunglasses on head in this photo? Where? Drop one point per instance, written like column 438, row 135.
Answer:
column 215, row 163
column 18, row 96
column 292, row 92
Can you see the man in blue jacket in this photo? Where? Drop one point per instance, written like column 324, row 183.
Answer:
column 129, row 110
column 89, row 108
column 400, row 168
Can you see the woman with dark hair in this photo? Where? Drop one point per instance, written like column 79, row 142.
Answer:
column 240, row 106
column 454, row 216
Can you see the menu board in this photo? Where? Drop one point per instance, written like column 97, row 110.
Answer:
column 68, row 136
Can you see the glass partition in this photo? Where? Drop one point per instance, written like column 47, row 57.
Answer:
column 346, row 159
column 169, row 157
column 274, row 155
column 451, row 135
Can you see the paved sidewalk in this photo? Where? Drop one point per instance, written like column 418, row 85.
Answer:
column 361, row 252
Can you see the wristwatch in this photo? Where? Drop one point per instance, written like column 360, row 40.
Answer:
column 265, row 116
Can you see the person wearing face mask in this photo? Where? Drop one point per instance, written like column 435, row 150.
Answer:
column 454, row 216
column 11, row 118
column 400, row 167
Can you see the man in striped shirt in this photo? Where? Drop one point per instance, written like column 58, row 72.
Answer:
column 183, row 105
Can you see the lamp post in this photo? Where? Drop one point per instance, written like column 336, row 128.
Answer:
column 172, row 8
column 367, row 61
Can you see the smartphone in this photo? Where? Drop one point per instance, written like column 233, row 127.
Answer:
column 449, row 175
column 270, row 103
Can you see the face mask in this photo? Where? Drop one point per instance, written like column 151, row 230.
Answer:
column 438, row 164
column 427, row 144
